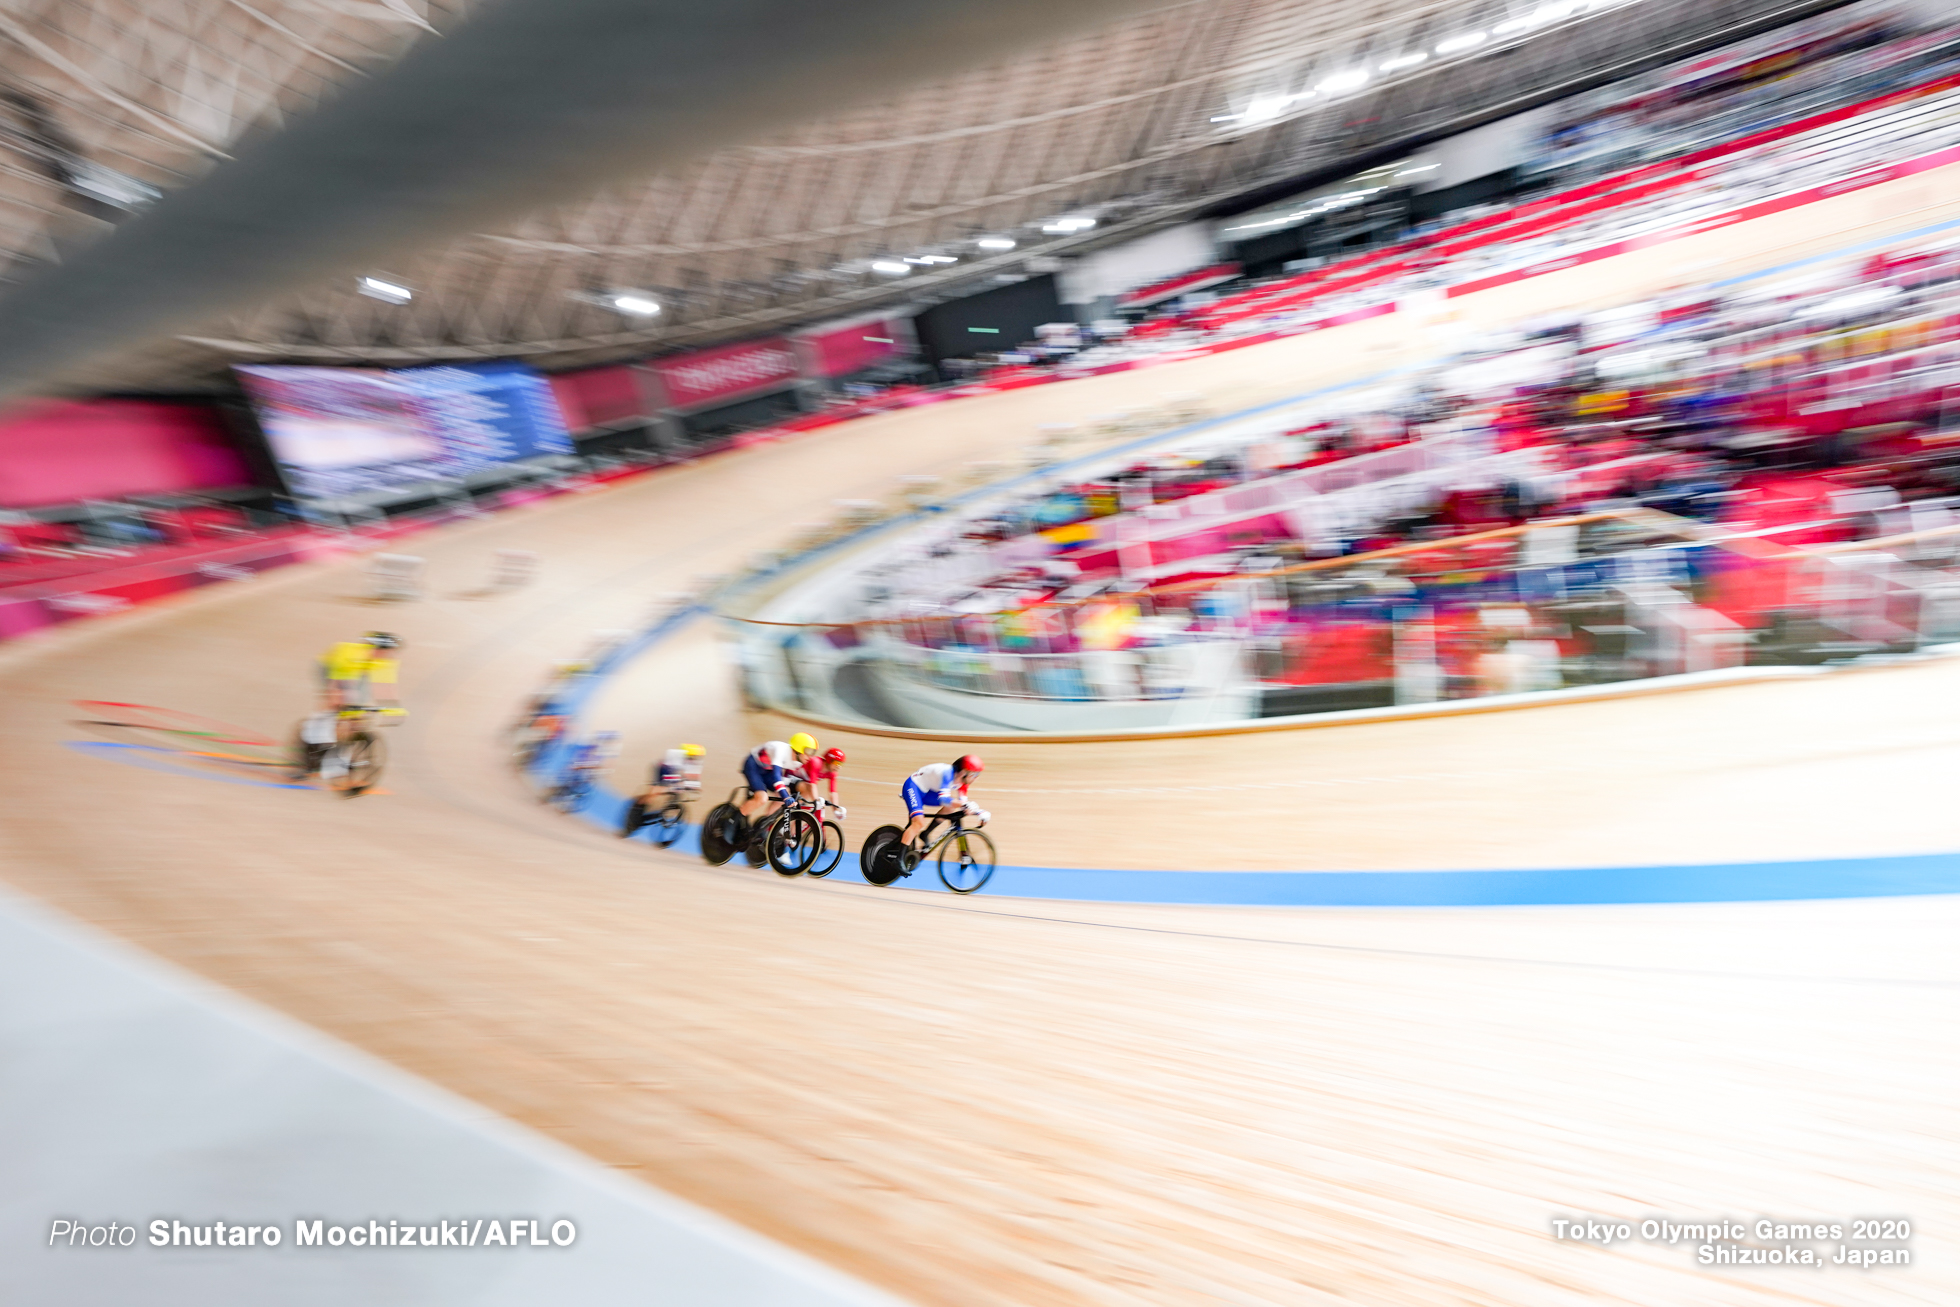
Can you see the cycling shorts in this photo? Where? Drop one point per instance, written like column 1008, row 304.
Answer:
column 916, row 799
column 762, row 778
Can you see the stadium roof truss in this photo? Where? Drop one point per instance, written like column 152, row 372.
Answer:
column 1148, row 122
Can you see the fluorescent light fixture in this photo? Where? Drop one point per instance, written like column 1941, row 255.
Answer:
column 996, row 243
column 637, row 305
column 930, row 258
column 1266, row 108
column 1513, row 25
column 1467, row 41
column 1353, row 80
column 1404, row 61
column 890, row 267
column 1421, row 167
column 1067, row 226
column 1228, row 117
column 376, row 289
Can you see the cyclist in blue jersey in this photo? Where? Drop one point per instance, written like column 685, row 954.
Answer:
column 939, row 787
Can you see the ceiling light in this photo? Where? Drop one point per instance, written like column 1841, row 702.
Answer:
column 391, row 292
column 890, row 267
column 1266, row 108
column 1455, row 44
column 1405, row 61
column 930, row 258
column 995, row 243
column 637, row 305
column 1348, row 81
column 1067, row 226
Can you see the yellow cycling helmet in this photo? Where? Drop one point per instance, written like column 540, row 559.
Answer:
column 692, row 750
column 803, row 742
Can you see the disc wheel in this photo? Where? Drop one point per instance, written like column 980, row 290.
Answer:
column 966, row 862
column 721, row 834
column 795, row 843
column 364, row 755
column 832, row 852
column 872, row 860
column 636, row 817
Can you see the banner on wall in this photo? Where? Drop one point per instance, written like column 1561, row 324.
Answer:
column 601, row 397
column 839, row 349
column 349, row 431
column 705, row 378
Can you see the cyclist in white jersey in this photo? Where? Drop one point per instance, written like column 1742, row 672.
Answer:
column 939, row 787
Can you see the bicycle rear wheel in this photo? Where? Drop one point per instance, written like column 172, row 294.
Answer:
column 363, row 755
column 721, row 834
column 636, row 817
column 795, row 843
column 966, row 861
column 872, row 862
column 832, row 853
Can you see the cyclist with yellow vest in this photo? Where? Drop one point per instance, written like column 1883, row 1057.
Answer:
column 360, row 673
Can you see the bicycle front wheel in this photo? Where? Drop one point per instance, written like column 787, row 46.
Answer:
column 795, row 843
column 832, row 853
column 669, row 825
column 966, row 861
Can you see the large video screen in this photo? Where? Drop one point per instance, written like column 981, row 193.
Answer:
column 339, row 432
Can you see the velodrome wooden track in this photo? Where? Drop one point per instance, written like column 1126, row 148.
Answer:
column 996, row 1101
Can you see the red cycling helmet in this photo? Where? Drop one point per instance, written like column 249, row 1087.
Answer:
column 970, row 763
column 835, row 757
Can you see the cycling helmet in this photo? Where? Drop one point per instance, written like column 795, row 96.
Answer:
column 835, row 757
column 803, row 742
column 969, row 763
column 382, row 640
column 692, row 750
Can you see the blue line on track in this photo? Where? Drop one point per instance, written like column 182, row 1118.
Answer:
column 151, row 757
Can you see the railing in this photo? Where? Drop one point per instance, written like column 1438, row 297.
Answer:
column 1582, row 601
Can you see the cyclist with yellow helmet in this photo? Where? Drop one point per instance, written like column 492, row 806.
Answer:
column 677, row 773
column 768, row 770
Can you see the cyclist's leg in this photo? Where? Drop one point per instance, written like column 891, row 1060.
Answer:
column 915, row 808
column 761, row 787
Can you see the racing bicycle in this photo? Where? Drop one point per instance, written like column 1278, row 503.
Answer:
column 965, row 857
column 794, row 840
column 350, row 763
column 666, row 823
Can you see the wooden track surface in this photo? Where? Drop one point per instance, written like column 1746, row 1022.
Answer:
column 1012, row 1102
